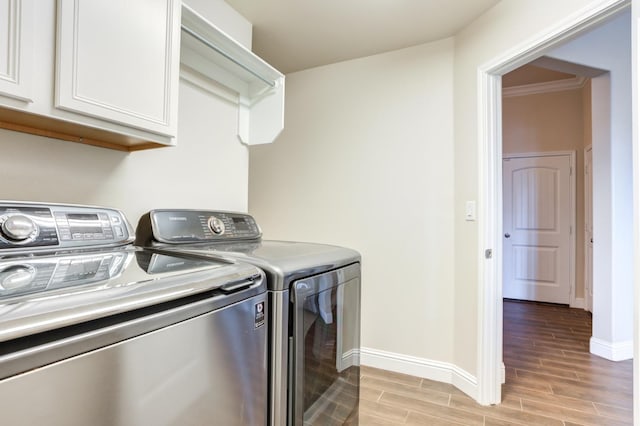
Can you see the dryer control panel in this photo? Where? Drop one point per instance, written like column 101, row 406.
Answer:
column 191, row 226
column 31, row 226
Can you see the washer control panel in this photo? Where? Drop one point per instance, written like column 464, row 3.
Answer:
column 35, row 225
column 184, row 226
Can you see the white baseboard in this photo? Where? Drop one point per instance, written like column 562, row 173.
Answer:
column 578, row 303
column 348, row 359
column 421, row 367
column 618, row 351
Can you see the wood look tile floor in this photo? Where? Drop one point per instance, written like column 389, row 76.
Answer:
column 551, row 379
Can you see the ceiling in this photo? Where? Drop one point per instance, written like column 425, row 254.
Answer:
column 531, row 74
column 293, row 35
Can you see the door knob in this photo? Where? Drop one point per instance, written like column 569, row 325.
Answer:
column 507, row 235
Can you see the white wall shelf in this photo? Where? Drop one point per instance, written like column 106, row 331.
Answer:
column 210, row 58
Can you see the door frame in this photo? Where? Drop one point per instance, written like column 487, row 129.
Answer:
column 490, row 369
column 588, row 269
column 572, row 205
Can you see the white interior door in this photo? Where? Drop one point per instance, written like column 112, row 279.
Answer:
column 588, row 229
column 538, row 222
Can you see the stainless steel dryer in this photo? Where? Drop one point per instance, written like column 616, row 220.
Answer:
column 94, row 331
column 314, row 302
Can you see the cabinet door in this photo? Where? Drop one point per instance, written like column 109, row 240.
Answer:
column 16, row 48
column 119, row 60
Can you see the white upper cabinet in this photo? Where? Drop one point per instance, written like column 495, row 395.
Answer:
column 103, row 73
column 16, row 48
column 118, row 60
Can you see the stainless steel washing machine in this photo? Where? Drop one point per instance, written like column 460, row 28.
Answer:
column 95, row 331
column 314, row 302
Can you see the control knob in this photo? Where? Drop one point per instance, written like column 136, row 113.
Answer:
column 18, row 228
column 17, row 276
column 216, row 225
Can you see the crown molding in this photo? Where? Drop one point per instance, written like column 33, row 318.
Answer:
column 574, row 83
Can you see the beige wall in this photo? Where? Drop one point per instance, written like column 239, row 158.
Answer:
column 551, row 122
column 543, row 122
column 208, row 168
column 366, row 161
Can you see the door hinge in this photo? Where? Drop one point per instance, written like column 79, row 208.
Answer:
column 488, row 254
column 570, row 171
column 571, row 230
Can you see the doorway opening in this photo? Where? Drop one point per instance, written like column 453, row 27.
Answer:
column 490, row 367
column 546, row 132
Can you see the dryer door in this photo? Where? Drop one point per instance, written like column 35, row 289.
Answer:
column 325, row 369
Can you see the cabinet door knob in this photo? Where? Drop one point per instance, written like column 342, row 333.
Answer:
column 507, row 235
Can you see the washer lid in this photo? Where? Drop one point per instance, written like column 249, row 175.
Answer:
column 46, row 292
column 282, row 261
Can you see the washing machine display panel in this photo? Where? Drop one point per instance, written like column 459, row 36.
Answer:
column 29, row 226
column 182, row 226
column 84, row 223
column 85, row 226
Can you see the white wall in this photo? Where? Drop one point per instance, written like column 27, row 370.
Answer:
column 366, row 161
column 609, row 48
column 208, row 168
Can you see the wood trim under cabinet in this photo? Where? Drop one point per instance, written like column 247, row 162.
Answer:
column 58, row 129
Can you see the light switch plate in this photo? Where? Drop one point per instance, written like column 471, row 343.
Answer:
column 470, row 211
